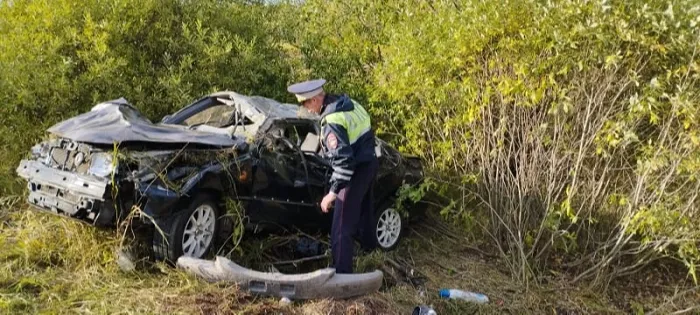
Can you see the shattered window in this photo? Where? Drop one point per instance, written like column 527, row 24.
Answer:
column 297, row 133
column 292, row 134
column 215, row 116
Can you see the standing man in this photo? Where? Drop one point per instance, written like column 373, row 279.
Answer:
column 348, row 142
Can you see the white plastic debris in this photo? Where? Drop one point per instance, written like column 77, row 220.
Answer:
column 125, row 261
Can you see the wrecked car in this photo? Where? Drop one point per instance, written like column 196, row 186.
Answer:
column 112, row 164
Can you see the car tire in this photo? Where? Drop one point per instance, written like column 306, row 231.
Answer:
column 191, row 232
column 389, row 227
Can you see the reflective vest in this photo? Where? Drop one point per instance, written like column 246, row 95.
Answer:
column 356, row 122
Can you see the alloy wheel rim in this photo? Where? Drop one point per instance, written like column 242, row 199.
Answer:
column 199, row 231
column 388, row 228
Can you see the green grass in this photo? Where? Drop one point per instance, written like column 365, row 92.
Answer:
column 52, row 265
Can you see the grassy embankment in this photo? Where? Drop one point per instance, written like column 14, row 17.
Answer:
column 54, row 265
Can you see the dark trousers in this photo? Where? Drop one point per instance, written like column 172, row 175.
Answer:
column 353, row 216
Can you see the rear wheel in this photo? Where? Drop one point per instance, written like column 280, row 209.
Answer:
column 189, row 233
column 389, row 227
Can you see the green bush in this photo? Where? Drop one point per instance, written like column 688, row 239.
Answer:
column 59, row 58
column 544, row 111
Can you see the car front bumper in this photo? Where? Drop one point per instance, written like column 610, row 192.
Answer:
column 62, row 192
column 323, row 283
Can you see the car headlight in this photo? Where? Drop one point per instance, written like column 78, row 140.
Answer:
column 78, row 159
column 40, row 150
column 101, row 165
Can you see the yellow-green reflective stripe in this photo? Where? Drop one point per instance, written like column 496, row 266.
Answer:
column 356, row 122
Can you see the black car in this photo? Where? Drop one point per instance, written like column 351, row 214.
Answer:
column 111, row 164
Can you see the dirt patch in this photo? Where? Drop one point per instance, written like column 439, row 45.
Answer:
column 370, row 305
column 221, row 300
column 661, row 287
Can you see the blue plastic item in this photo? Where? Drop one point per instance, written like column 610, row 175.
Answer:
column 463, row 295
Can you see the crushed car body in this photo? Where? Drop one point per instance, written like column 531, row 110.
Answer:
column 322, row 283
column 111, row 163
column 76, row 171
column 117, row 121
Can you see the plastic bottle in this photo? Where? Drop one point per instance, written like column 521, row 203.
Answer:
column 463, row 295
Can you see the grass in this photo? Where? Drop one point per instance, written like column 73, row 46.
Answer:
column 52, row 265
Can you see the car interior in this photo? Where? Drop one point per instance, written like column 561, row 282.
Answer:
column 311, row 143
column 222, row 118
column 304, row 136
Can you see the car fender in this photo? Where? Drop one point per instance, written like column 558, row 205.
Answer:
column 164, row 201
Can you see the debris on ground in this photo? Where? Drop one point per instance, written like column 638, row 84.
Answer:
column 125, row 260
column 468, row 296
column 307, row 246
column 323, row 283
column 423, row 310
column 285, row 301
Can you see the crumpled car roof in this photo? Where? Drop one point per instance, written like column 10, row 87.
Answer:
column 118, row 121
column 262, row 111
column 270, row 108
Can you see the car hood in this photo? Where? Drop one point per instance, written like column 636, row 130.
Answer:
column 118, row 121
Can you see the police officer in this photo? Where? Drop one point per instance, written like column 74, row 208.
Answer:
column 348, row 142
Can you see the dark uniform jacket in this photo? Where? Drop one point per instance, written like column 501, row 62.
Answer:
column 348, row 138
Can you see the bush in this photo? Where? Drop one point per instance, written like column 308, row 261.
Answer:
column 571, row 124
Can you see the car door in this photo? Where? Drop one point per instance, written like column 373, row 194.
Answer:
column 318, row 174
column 280, row 183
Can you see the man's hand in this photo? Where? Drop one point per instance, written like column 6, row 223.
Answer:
column 327, row 201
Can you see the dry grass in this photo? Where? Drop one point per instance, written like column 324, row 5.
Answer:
column 56, row 266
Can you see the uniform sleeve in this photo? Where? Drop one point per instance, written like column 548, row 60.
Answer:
column 340, row 154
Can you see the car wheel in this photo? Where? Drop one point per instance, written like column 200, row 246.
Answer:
column 189, row 233
column 389, row 227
